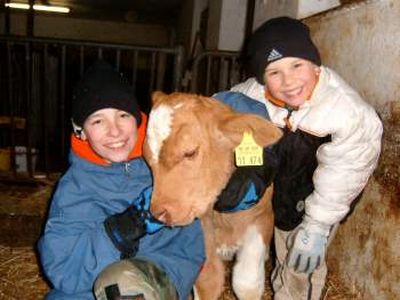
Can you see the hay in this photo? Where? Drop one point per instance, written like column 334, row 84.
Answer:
column 21, row 278
column 335, row 290
column 29, row 200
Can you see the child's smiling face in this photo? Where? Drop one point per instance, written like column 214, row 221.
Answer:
column 111, row 133
column 291, row 80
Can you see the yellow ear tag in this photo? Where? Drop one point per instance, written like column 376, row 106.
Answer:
column 248, row 152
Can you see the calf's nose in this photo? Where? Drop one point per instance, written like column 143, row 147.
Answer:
column 161, row 214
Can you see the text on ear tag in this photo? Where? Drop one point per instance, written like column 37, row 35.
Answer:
column 248, row 152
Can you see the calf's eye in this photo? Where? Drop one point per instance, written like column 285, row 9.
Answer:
column 191, row 154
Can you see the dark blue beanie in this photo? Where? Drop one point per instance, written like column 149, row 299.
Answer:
column 278, row 38
column 101, row 86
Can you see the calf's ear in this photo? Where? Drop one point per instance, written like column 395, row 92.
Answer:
column 157, row 96
column 264, row 132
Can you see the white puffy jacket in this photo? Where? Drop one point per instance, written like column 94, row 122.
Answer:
column 345, row 163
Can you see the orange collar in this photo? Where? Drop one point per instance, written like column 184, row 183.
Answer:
column 278, row 102
column 83, row 150
column 282, row 104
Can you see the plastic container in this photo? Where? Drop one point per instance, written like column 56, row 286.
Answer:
column 5, row 161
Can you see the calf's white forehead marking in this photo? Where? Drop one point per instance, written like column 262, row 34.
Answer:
column 159, row 128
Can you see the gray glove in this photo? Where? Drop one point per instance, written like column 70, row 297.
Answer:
column 307, row 246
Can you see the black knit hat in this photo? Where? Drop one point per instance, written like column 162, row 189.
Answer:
column 278, row 38
column 102, row 87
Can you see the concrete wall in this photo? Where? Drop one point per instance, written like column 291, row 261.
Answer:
column 226, row 25
column 300, row 9
column 362, row 42
column 64, row 27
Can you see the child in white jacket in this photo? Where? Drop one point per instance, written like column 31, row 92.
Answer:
column 331, row 145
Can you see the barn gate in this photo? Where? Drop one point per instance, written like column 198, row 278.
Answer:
column 36, row 79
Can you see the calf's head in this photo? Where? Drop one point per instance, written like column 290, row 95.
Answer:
column 189, row 147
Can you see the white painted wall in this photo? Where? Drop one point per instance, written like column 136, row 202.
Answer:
column 299, row 9
column 226, row 24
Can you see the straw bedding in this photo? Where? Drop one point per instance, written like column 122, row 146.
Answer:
column 21, row 278
column 20, row 274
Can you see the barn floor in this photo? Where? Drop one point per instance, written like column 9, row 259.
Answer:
column 23, row 207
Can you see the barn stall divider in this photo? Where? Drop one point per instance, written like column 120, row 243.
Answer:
column 36, row 80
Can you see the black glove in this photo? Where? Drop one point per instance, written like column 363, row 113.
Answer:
column 247, row 184
column 125, row 229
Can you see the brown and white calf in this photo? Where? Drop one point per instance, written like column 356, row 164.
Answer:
column 189, row 146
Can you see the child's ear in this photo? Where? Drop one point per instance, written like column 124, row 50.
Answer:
column 78, row 131
column 82, row 135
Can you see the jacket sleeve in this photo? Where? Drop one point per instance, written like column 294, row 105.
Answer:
column 346, row 163
column 242, row 103
column 75, row 247
column 251, row 88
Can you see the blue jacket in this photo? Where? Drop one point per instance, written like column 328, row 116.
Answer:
column 75, row 248
column 242, row 103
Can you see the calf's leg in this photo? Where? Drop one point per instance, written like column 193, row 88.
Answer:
column 248, row 275
column 210, row 283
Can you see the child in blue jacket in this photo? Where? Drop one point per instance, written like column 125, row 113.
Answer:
column 98, row 222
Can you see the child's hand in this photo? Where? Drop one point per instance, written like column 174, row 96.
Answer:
column 247, row 185
column 152, row 225
column 126, row 228
column 307, row 246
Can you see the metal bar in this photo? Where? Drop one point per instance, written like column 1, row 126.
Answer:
column 30, row 21
column 45, row 110
column 7, row 22
column 28, row 95
column 160, row 71
column 100, row 53
column 118, row 58
column 223, row 74
column 62, row 99
column 178, row 68
column 82, row 60
column 134, row 67
column 251, row 4
column 11, row 108
column 152, row 72
column 87, row 44
column 208, row 73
